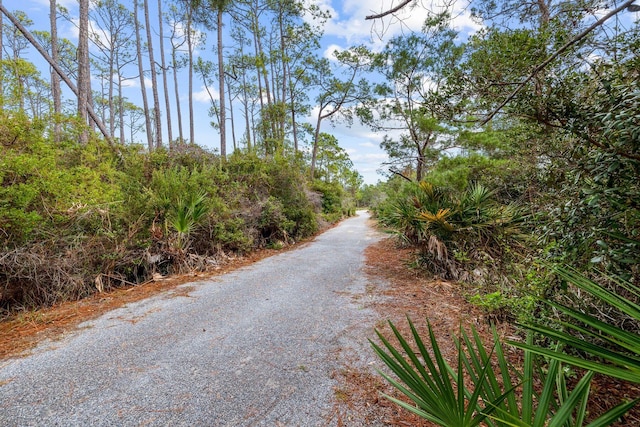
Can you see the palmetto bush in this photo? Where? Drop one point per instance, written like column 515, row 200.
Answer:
column 185, row 216
column 450, row 227
column 604, row 344
column 482, row 388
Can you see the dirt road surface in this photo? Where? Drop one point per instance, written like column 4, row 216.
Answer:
column 260, row 346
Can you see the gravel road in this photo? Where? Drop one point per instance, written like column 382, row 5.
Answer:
column 260, row 346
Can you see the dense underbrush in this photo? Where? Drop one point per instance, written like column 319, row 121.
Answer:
column 77, row 219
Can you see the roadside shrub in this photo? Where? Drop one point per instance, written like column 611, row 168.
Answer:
column 454, row 231
column 77, row 219
column 332, row 199
column 50, row 189
column 273, row 224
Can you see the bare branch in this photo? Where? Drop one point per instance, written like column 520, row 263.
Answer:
column 620, row 153
column 557, row 53
column 400, row 174
column 389, row 12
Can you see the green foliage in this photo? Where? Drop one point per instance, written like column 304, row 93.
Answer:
column 185, row 215
column 602, row 187
column 407, row 63
column 483, row 388
column 437, row 389
column 457, row 172
column 564, row 145
column 333, row 199
column 233, row 234
column 617, row 350
column 443, row 222
column 371, row 196
column 45, row 186
column 273, row 223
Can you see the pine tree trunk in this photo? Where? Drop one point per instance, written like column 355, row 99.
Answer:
column 121, row 111
column 190, row 58
column 145, row 103
column 1, row 58
column 154, row 79
column 112, row 110
column 165, row 86
column 316, row 140
column 177, row 92
column 55, row 79
column 223, row 112
column 84, row 72
column 231, row 117
column 246, row 108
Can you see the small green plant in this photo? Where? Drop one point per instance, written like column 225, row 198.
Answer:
column 453, row 229
column 438, row 390
column 187, row 213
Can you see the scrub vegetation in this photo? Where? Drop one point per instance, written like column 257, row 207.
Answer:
column 80, row 218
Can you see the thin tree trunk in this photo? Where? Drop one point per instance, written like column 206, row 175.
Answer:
column 316, row 138
column 102, row 107
column 1, row 58
column 223, row 112
column 266, row 84
column 55, row 79
column 284, row 74
column 165, row 86
column 258, row 70
column 190, row 56
column 284, row 60
column 177, row 92
column 112, row 110
column 145, row 103
column 121, row 109
column 246, row 108
column 294, row 128
column 233, row 125
column 84, row 73
column 154, row 79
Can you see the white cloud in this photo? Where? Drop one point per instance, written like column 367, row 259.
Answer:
column 367, row 145
column 375, row 159
column 203, row 95
column 131, row 83
column 330, row 50
column 349, row 24
column 99, row 36
column 135, row 83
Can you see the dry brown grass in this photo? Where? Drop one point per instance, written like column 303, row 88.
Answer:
column 22, row 331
